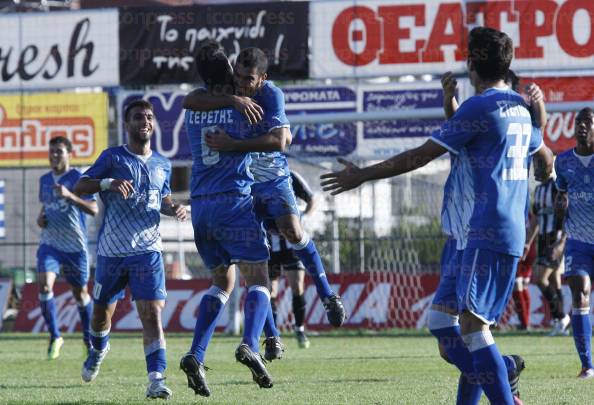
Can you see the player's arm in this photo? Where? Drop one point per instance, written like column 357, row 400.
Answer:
column 87, row 206
column 87, row 186
column 41, row 219
column 273, row 141
column 543, row 163
column 537, row 103
column 304, row 192
column 200, row 100
column 450, row 104
column 173, row 209
column 353, row 176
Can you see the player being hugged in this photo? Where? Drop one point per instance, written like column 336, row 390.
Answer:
column 272, row 191
column 226, row 231
column 133, row 183
column 575, row 202
column 494, row 135
column 63, row 241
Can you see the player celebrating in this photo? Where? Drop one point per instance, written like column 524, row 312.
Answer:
column 282, row 257
column 133, row 183
column 493, row 134
column 575, row 178
column 226, row 231
column 272, row 191
column 63, row 241
column 548, row 229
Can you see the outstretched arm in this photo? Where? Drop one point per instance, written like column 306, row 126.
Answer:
column 538, row 105
column 450, row 104
column 353, row 176
column 200, row 100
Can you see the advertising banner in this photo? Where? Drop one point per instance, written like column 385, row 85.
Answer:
column 59, row 50
column 372, row 301
column 2, row 223
column 388, row 37
column 159, row 45
column 28, row 122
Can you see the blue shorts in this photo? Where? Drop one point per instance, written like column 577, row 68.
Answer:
column 579, row 259
column 143, row 273
column 451, row 260
column 75, row 265
column 226, row 230
column 485, row 283
column 274, row 199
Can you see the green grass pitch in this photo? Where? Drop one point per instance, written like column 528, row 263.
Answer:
column 339, row 369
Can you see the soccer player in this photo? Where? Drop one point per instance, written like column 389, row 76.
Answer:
column 550, row 245
column 493, row 135
column 521, row 295
column 272, row 191
column 283, row 258
column 133, row 183
column 226, row 231
column 575, row 182
column 63, row 241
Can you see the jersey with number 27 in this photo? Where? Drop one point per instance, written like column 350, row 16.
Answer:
column 496, row 132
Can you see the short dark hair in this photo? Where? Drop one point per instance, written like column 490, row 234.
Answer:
column 253, row 58
column 490, row 52
column 513, row 80
column 585, row 110
column 212, row 64
column 63, row 140
column 134, row 104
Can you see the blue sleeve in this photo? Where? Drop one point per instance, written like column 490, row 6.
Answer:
column 536, row 141
column 461, row 129
column 101, row 168
column 273, row 103
column 561, row 180
column 166, row 190
column 86, row 197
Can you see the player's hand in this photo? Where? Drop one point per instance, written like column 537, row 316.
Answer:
column 347, row 179
column 180, row 211
column 220, row 141
column 61, row 191
column 248, row 108
column 535, row 94
column 124, row 187
column 42, row 220
column 449, row 84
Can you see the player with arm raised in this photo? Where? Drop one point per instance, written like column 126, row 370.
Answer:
column 575, row 202
column 493, row 132
column 226, row 231
column 272, row 191
column 63, row 241
column 283, row 259
column 133, row 183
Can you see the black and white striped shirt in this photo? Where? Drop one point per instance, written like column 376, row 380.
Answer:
column 544, row 206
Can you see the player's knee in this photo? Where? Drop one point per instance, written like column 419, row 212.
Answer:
column 293, row 233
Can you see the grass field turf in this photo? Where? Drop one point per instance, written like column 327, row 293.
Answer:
column 399, row 369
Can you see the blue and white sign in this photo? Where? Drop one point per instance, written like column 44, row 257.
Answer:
column 2, row 225
column 326, row 139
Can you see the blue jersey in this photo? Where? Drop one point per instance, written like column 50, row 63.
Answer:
column 575, row 175
column 496, row 131
column 458, row 199
column 217, row 172
column 66, row 228
column 131, row 226
column 267, row 166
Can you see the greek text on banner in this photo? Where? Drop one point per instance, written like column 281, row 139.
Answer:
column 28, row 122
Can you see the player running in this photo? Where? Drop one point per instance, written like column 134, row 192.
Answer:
column 133, row 183
column 63, row 241
column 226, row 231
column 550, row 241
column 575, row 202
column 283, row 258
column 493, row 136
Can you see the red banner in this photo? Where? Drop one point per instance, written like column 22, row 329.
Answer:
column 372, row 300
column 560, row 126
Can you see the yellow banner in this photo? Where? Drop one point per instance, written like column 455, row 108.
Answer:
column 28, row 121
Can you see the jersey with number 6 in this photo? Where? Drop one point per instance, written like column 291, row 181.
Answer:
column 496, row 132
column 217, row 172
